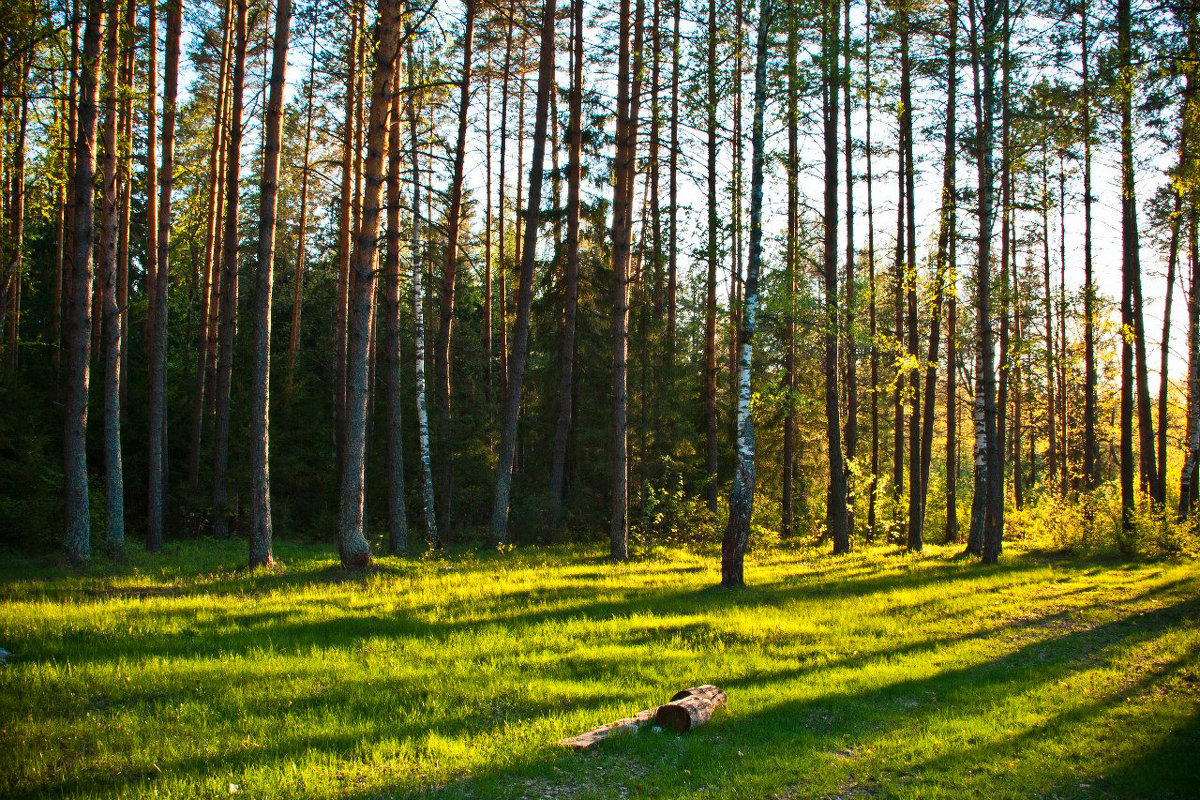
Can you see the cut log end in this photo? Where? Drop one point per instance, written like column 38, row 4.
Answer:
column 690, row 708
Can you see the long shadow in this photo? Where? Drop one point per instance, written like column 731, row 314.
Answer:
column 741, row 745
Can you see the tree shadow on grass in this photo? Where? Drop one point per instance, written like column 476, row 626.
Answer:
column 743, row 749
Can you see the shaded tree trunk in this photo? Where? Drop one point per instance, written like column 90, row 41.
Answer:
column 77, row 336
column 260, row 484
column 512, row 401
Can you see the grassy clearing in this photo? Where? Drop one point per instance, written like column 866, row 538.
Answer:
column 873, row 675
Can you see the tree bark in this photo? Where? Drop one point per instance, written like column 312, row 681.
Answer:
column 512, row 401
column 77, row 532
column 710, row 299
column 157, row 422
column 353, row 547
column 113, row 470
column 562, row 428
column 260, row 428
column 397, row 512
column 229, row 281
column 741, row 496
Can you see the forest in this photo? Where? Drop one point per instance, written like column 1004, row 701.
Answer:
column 844, row 271
column 394, row 391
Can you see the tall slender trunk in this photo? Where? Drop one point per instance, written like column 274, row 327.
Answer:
column 502, row 345
column 873, row 483
column 62, row 276
column 1090, row 451
column 567, row 357
column 345, row 224
column 302, row 229
column 211, row 251
column 1130, row 269
column 158, row 307
column 741, row 496
column 836, row 514
column 442, row 345
column 710, row 299
column 943, row 271
column 113, row 470
column 512, row 402
column 431, row 534
column 673, row 191
column 77, row 531
column 151, row 168
column 1052, row 454
column 260, row 491
column 353, row 547
column 850, row 320
column 791, row 253
column 1187, row 166
column 915, row 539
column 397, row 517
column 229, row 281
column 622, row 234
column 17, row 214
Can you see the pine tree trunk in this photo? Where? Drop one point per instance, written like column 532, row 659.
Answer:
column 1090, row 451
column 850, row 322
column 791, row 252
column 520, row 351
column 229, row 281
column 442, row 346
column 837, row 514
column 211, row 246
column 942, row 269
column 915, row 539
column 113, row 470
column 345, row 223
column 260, row 428
column 710, row 299
column 567, row 357
column 158, row 307
column 1130, row 269
column 353, row 548
column 873, row 482
column 301, row 232
column 77, row 532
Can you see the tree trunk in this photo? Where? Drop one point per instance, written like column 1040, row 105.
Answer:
column 431, row 535
column 1090, row 451
column 915, row 539
column 77, row 532
column 837, row 515
column 1130, row 269
column 353, row 548
column 229, row 281
column 873, row 483
column 345, row 222
column 442, row 346
column 710, row 300
column 791, row 252
column 113, row 470
column 512, row 401
column 158, row 306
column 211, row 252
column 260, row 428
column 850, row 322
column 942, row 269
column 741, row 496
column 302, row 230
column 397, row 512
column 567, row 357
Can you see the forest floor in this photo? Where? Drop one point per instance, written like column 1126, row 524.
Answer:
column 877, row 674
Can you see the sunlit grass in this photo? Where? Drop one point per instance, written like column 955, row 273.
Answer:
column 876, row 674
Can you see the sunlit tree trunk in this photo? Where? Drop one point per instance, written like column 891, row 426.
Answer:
column 710, row 298
column 353, row 548
column 741, row 497
column 397, row 514
column 229, row 281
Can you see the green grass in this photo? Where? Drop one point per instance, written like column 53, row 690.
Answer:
column 872, row 675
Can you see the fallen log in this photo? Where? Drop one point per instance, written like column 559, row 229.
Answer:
column 687, row 709
column 690, row 708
